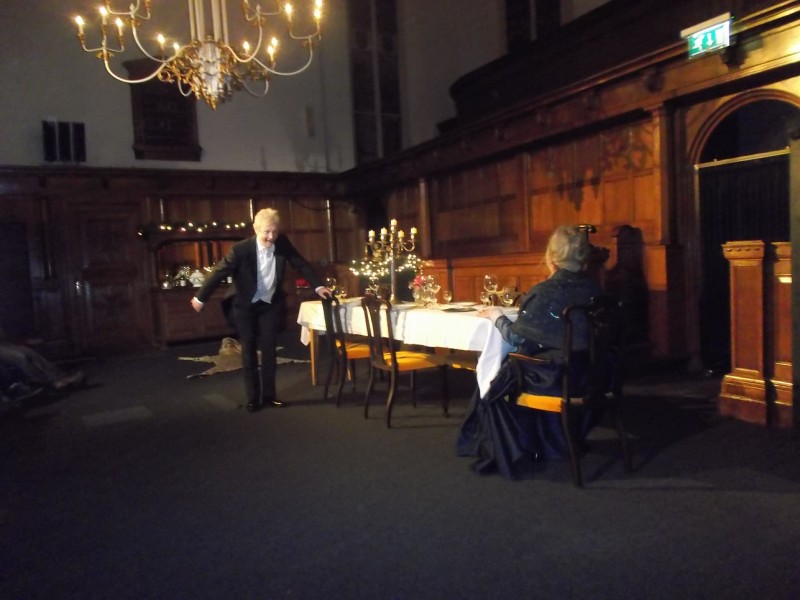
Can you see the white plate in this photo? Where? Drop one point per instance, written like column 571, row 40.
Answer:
column 463, row 304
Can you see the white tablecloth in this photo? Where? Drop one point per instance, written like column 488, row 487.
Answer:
column 430, row 327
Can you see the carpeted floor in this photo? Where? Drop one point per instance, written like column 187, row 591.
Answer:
column 148, row 485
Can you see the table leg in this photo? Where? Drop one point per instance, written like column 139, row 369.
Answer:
column 312, row 348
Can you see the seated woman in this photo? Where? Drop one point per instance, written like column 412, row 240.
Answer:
column 503, row 436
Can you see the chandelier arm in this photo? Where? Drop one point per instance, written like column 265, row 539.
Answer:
column 183, row 93
column 289, row 73
column 256, row 93
column 247, row 59
column 132, row 12
column 135, row 33
column 153, row 75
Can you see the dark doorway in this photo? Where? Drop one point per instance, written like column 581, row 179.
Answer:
column 743, row 188
column 16, row 295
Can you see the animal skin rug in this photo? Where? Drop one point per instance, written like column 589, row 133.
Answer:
column 229, row 359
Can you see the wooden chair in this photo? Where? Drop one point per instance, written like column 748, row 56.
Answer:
column 343, row 352
column 385, row 356
column 591, row 378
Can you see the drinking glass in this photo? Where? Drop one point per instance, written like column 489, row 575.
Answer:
column 434, row 288
column 508, row 297
column 490, row 283
column 447, row 296
column 330, row 283
column 486, row 298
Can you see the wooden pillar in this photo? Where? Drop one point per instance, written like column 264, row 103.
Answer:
column 743, row 393
column 779, row 341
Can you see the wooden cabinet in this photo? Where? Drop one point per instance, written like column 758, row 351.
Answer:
column 177, row 321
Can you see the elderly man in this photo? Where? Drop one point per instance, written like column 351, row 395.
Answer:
column 257, row 266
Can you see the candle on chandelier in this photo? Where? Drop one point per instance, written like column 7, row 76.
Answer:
column 383, row 233
column 413, row 232
column 393, row 223
column 371, row 235
column 401, row 234
column 119, row 26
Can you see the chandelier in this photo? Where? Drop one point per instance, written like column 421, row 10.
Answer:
column 208, row 66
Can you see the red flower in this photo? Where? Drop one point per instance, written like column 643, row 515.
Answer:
column 301, row 283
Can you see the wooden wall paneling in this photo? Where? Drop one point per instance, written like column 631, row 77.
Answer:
column 105, row 274
column 349, row 235
column 467, row 273
column 307, row 228
column 618, row 196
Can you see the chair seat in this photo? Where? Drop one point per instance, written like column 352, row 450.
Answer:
column 546, row 403
column 355, row 350
column 462, row 359
column 413, row 361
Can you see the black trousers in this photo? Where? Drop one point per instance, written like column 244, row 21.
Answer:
column 257, row 326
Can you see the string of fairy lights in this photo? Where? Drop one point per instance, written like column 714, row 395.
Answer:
column 374, row 268
column 191, row 227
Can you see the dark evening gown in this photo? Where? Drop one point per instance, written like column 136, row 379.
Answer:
column 509, row 439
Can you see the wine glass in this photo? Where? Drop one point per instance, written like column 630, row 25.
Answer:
column 508, row 296
column 486, row 298
column 330, row 283
column 434, row 289
column 490, row 283
column 447, row 296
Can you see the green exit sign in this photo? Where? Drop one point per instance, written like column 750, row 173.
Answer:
column 713, row 34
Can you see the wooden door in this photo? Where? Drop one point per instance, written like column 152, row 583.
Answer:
column 106, row 266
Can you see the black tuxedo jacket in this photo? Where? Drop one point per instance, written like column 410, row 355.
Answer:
column 241, row 264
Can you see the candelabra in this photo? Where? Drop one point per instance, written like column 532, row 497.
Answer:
column 390, row 246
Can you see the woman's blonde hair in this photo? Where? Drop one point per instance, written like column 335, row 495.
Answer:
column 567, row 248
column 266, row 216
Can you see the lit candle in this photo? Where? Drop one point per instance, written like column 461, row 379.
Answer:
column 119, row 26
column 79, row 22
column 401, row 234
column 413, row 231
column 103, row 14
column 371, row 234
column 383, row 232
column 161, row 40
column 288, row 9
column 393, row 223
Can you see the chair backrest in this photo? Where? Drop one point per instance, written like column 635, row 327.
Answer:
column 334, row 330
column 593, row 338
column 381, row 344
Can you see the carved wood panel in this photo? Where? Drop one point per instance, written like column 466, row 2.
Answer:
column 106, row 277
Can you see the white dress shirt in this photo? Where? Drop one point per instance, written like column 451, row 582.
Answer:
column 265, row 288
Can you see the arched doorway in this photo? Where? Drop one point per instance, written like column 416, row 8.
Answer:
column 742, row 184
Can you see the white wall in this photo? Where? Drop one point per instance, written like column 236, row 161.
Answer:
column 439, row 42
column 46, row 74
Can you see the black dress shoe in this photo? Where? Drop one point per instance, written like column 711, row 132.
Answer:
column 273, row 402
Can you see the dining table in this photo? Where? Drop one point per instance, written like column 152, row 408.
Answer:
column 454, row 326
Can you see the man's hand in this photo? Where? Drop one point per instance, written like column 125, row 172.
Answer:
column 197, row 305
column 324, row 292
